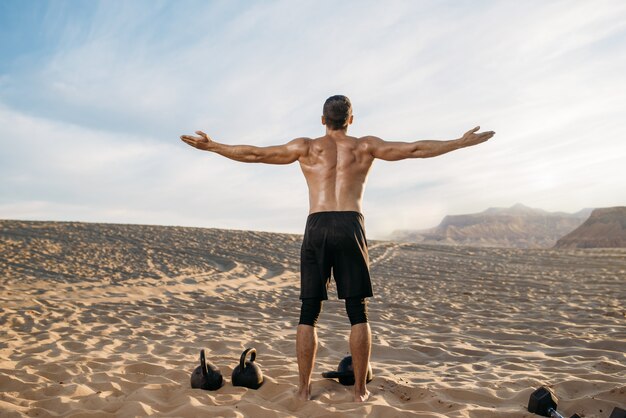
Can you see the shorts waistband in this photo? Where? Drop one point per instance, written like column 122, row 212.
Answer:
column 335, row 212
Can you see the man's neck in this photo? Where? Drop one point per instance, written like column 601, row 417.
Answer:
column 336, row 132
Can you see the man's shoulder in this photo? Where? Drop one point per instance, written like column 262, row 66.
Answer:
column 300, row 142
column 369, row 138
column 368, row 142
column 301, row 139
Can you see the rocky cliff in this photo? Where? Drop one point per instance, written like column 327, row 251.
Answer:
column 605, row 228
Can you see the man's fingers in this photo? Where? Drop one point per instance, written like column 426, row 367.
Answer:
column 486, row 135
column 203, row 135
column 190, row 140
column 471, row 131
column 195, row 138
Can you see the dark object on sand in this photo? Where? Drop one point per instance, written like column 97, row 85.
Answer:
column 345, row 372
column 248, row 373
column 206, row 376
column 618, row 413
column 543, row 402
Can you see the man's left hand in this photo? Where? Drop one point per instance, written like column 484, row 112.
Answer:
column 202, row 142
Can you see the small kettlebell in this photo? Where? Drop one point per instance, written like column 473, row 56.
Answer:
column 345, row 372
column 247, row 373
column 206, row 376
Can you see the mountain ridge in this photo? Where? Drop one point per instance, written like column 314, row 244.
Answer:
column 517, row 226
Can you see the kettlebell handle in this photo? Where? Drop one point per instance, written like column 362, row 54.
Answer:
column 203, row 367
column 242, row 360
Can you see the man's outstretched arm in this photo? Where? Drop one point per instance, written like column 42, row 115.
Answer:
column 394, row 151
column 277, row 154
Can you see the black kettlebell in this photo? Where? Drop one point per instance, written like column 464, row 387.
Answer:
column 345, row 372
column 247, row 373
column 206, row 376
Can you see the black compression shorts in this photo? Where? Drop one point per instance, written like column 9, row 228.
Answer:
column 311, row 308
column 335, row 240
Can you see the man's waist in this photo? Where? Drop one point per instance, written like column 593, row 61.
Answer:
column 338, row 212
column 335, row 213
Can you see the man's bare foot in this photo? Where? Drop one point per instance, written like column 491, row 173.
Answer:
column 303, row 394
column 362, row 397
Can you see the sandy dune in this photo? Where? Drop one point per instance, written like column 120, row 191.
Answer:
column 108, row 320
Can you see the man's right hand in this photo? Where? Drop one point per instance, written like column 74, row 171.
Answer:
column 202, row 142
column 472, row 138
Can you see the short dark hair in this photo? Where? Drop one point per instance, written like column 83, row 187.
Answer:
column 337, row 111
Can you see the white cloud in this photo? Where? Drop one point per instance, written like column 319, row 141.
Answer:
column 96, row 126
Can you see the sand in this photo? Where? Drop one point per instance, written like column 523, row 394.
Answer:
column 108, row 320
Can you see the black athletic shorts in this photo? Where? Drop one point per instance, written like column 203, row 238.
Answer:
column 335, row 240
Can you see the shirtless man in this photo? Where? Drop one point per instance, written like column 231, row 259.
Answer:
column 335, row 167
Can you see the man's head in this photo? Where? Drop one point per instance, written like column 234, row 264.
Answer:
column 337, row 113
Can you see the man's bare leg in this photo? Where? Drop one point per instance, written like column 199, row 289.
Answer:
column 360, row 347
column 306, row 348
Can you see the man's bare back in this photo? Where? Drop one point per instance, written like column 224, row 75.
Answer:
column 336, row 168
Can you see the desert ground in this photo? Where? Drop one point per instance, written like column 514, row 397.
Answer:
column 108, row 320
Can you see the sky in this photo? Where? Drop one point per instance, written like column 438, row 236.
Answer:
column 95, row 95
